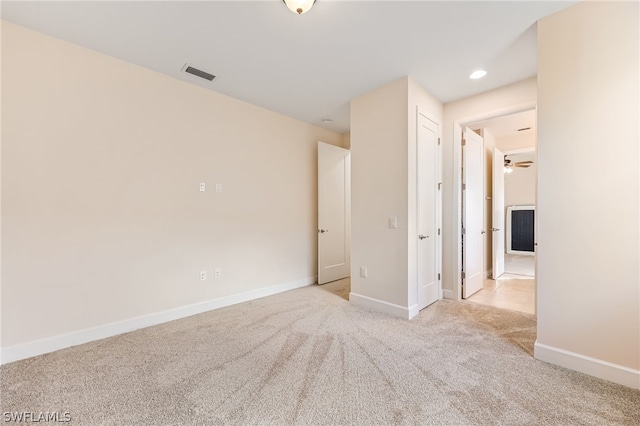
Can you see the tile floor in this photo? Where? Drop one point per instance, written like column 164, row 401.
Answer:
column 514, row 290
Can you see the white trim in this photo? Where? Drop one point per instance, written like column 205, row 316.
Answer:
column 456, row 262
column 61, row 341
column 382, row 306
column 413, row 311
column 594, row 367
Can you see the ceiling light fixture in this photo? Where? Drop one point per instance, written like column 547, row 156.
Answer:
column 327, row 120
column 477, row 74
column 299, row 6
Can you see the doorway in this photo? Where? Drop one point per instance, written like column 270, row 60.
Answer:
column 334, row 213
column 509, row 184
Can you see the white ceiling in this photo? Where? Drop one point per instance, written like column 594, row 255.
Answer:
column 309, row 66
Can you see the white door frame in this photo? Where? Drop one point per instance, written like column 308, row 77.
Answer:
column 457, row 183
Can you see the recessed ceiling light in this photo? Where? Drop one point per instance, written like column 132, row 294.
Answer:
column 477, row 74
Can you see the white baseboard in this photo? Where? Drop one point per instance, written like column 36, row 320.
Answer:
column 591, row 366
column 449, row 294
column 61, row 341
column 413, row 311
column 382, row 306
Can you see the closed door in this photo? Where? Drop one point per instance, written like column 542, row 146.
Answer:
column 334, row 206
column 427, row 187
column 472, row 213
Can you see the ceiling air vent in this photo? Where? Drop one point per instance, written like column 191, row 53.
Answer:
column 199, row 73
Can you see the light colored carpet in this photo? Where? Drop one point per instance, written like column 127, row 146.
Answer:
column 307, row 357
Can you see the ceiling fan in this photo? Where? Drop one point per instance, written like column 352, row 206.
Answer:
column 509, row 166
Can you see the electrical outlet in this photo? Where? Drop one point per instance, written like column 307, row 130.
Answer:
column 364, row 272
column 217, row 273
column 203, row 275
column 203, row 187
column 218, row 187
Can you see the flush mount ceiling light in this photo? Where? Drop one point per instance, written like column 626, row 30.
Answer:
column 299, row 6
column 477, row 74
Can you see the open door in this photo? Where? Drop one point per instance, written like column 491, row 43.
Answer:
column 497, row 216
column 334, row 212
column 472, row 212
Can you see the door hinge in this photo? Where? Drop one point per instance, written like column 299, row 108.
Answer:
column 464, row 186
column 439, row 185
column 463, row 231
column 438, row 277
column 464, row 141
column 463, row 276
column 438, row 141
column 438, row 231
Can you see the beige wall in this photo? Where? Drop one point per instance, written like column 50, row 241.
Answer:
column 379, row 152
column 346, row 140
column 489, row 143
column 520, row 185
column 102, row 220
column 513, row 98
column 383, row 173
column 589, row 190
column 519, row 141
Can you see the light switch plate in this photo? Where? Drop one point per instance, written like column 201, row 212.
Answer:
column 393, row 222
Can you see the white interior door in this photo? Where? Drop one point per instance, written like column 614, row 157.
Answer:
column 427, row 187
column 497, row 216
column 472, row 212
column 334, row 212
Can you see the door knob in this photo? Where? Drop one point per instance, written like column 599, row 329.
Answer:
column 495, row 229
column 322, row 231
column 422, row 237
column 483, row 232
